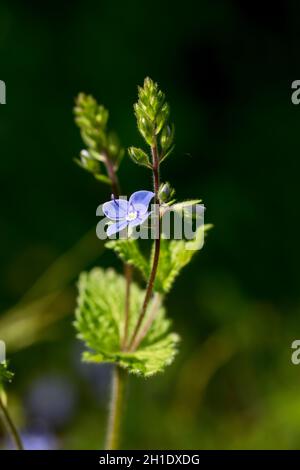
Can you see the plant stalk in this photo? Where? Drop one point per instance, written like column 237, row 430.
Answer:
column 147, row 325
column 114, row 181
column 10, row 427
column 116, row 408
column 149, row 290
column 120, row 376
column 116, row 190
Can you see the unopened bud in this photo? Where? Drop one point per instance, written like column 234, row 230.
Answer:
column 166, row 192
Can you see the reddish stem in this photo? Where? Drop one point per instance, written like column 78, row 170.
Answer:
column 155, row 167
column 113, row 176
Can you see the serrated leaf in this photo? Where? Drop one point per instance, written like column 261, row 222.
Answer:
column 100, row 324
column 174, row 256
column 146, row 361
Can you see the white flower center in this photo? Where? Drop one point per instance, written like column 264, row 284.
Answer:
column 132, row 215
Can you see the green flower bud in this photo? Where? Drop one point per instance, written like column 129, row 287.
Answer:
column 162, row 118
column 113, row 145
column 166, row 192
column 146, row 129
column 101, row 145
column 102, row 116
column 84, row 155
column 167, row 137
column 88, row 163
column 151, row 110
column 96, row 155
column 92, row 119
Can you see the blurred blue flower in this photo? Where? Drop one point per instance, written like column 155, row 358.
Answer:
column 97, row 375
column 36, row 440
column 50, row 401
column 127, row 213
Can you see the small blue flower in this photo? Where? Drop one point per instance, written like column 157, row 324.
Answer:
column 36, row 440
column 127, row 213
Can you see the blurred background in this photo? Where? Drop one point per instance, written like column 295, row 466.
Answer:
column 227, row 68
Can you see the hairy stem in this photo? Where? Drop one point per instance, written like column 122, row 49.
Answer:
column 155, row 169
column 120, row 376
column 9, row 424
column 147, row 325
column 116, row 408
column 115, row 186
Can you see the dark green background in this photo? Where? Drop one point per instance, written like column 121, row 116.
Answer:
column 227, row 69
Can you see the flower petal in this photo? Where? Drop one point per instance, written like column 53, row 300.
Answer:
column 115, row 209
column 117, row 227
column 139, row 220
column 140, row 201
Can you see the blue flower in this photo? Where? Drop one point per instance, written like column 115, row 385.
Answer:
column 36, row 440
column 51, row 399
column 127, row 213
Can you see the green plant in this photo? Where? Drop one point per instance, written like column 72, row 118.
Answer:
column 119, row 321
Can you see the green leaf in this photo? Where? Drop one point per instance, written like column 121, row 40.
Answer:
column 179, row 206
column 100, row 324
column 174, row 255
column 5, row 374
column 139, row 156
column 167, row 154
column 129, row 252
column 88, row 163
column 103, row 178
